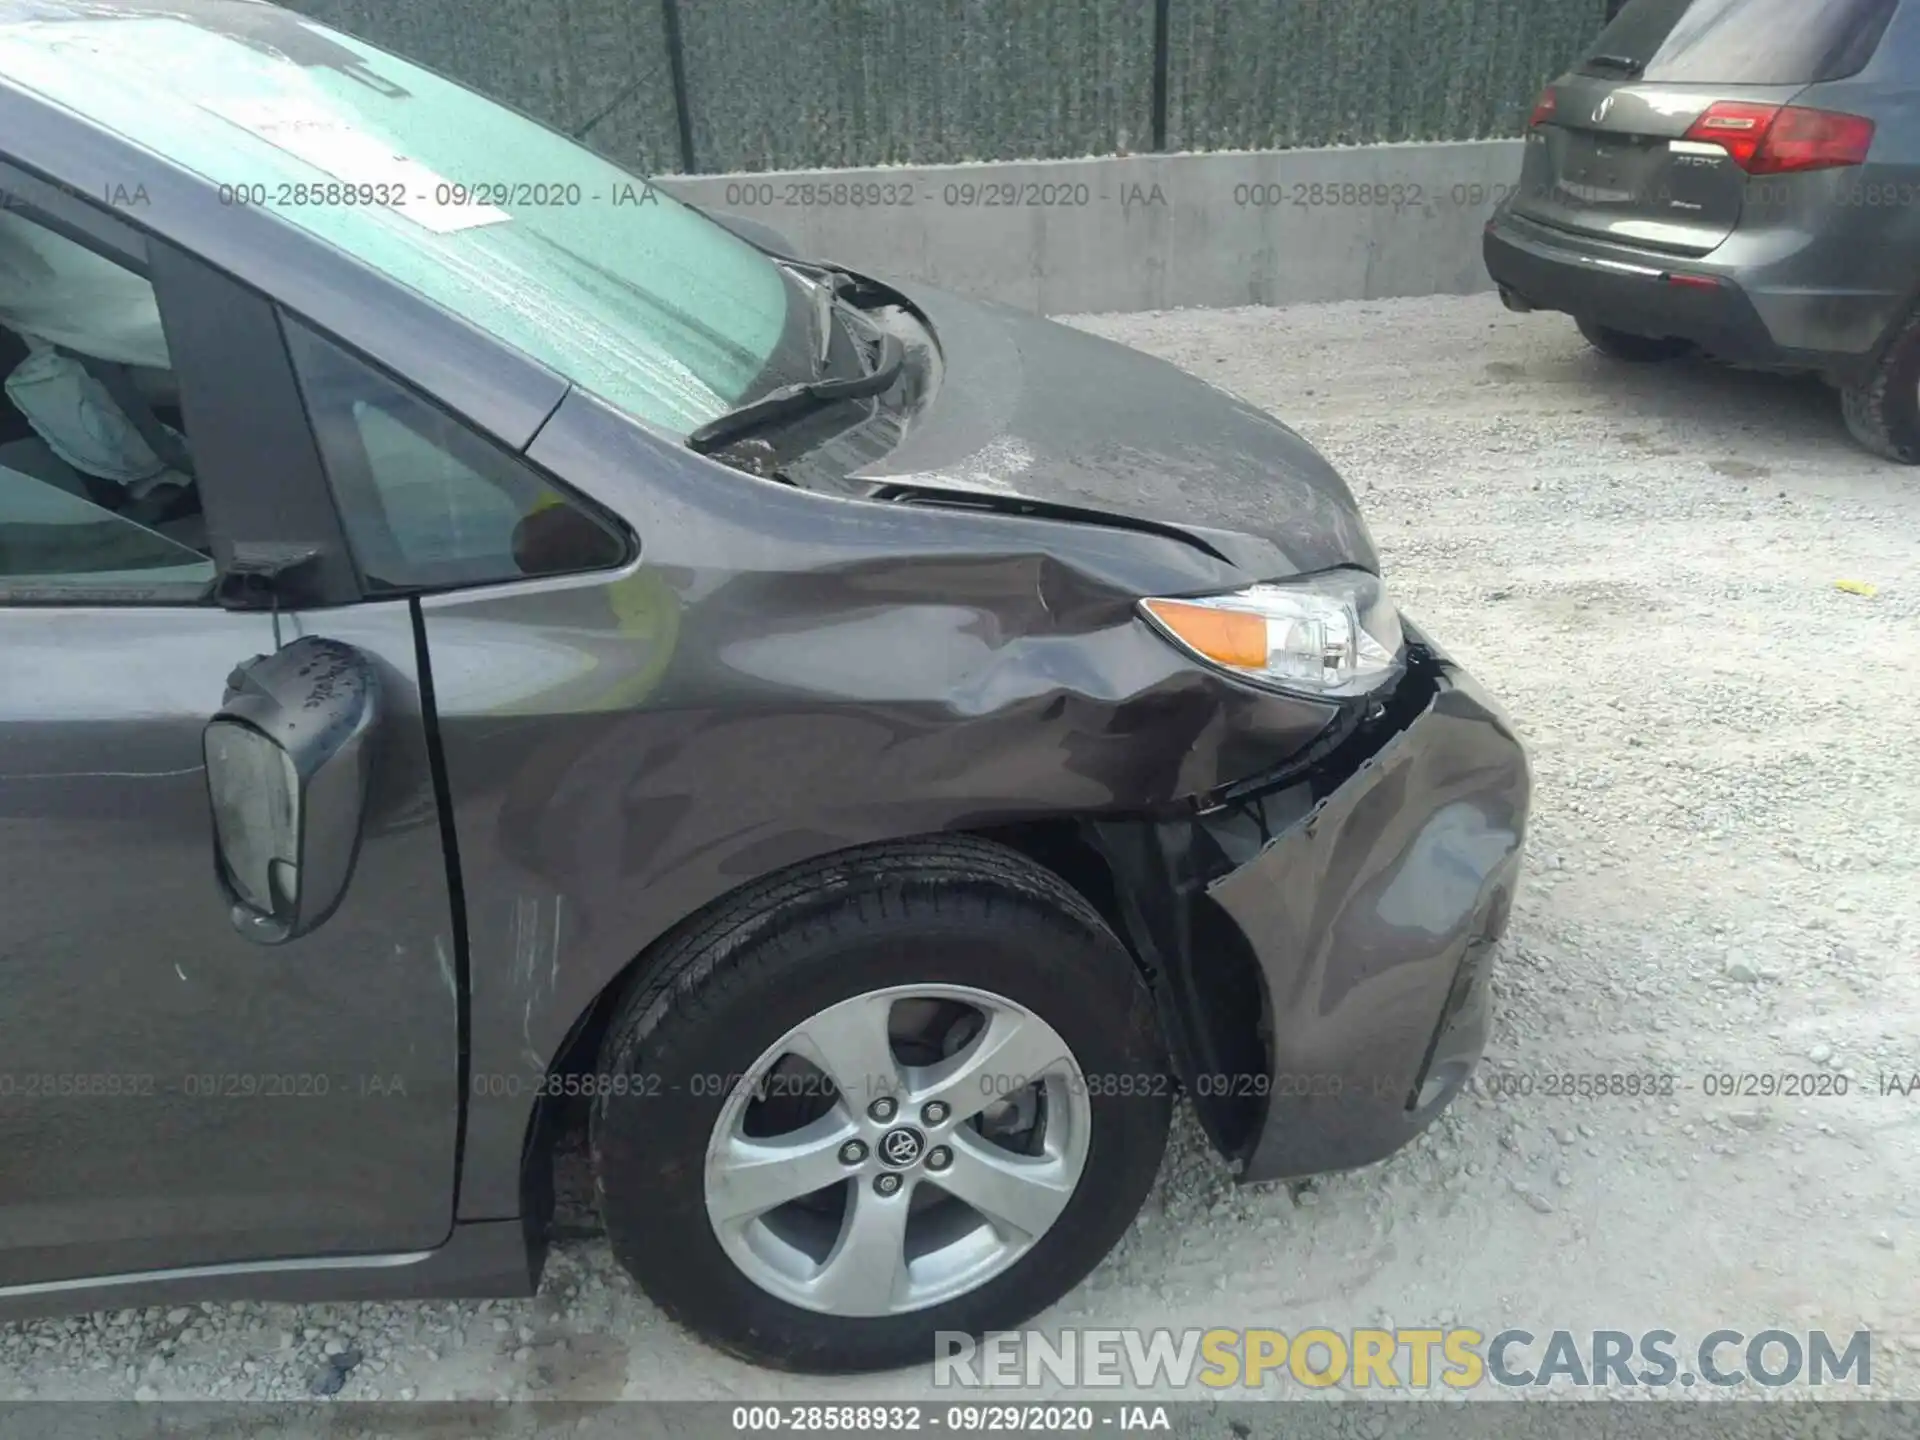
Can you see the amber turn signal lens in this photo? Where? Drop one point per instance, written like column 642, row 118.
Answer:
column 1226, row 637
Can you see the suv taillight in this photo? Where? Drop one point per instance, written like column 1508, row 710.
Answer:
column 1545, row 108
column 1776, row 139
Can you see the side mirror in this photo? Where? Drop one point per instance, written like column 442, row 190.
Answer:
column 288, row 758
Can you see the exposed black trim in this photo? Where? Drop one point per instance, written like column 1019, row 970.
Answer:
column 1207, row 985
column 1360, row 730
column 253, row 451
column 456, row 887
column 677, row 68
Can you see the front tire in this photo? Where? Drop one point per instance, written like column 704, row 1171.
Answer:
column 905, row 1089
column 1633, row 349
column 1883, row 409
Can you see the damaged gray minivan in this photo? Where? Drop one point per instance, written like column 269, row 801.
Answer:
column 503, row 642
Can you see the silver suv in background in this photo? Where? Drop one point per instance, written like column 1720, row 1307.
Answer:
column 1740, row 177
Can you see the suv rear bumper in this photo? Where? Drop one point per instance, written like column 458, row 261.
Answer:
column 1766, row 316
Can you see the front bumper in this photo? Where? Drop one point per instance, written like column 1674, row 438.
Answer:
column 1364, row 897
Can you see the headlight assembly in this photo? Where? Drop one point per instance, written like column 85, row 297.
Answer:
column 1332, row 635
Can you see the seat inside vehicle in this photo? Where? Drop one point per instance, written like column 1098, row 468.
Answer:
column 148, row 398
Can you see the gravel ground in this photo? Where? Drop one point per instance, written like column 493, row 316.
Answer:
column 1642, row 565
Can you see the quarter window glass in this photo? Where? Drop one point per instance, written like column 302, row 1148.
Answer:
column 425, row 501
column 98, row 496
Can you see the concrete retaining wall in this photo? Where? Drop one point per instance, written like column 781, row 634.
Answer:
column 1149, row 232
column 699, row 87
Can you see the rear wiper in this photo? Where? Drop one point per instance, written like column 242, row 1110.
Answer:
column 789, row 400
column 1625, row 64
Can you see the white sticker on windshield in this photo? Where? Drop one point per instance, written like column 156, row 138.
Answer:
column 368, row 164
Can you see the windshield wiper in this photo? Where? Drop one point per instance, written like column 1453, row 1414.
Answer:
column 1624, row 64
column 824, row 298
column 791, row 400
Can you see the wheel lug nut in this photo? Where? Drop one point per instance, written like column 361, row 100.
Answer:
column 935, row 1112
column 885, row 1184
column 939, row 1158
column 852, row 1153
column 883, row 1108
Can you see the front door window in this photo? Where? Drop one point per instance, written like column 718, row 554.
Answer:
column 98, row 496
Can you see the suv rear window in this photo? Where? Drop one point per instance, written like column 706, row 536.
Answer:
column 1740, row 42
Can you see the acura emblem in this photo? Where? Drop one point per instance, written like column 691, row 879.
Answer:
column 1600, row 110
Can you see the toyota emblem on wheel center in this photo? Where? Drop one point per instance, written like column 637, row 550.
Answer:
column 901, row 1147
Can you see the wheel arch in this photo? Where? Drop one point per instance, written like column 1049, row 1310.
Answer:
column 1207, row 1027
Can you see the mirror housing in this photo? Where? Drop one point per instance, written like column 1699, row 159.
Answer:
column 288, row 759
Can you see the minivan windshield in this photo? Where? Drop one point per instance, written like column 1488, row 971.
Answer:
column 514, row 227
column 1740, row 42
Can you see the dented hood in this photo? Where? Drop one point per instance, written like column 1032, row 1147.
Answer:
column 1028, row 409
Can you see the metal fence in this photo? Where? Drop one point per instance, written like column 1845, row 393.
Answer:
column 715, row 86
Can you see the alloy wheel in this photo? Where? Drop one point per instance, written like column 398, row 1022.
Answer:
column 897, row 1149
